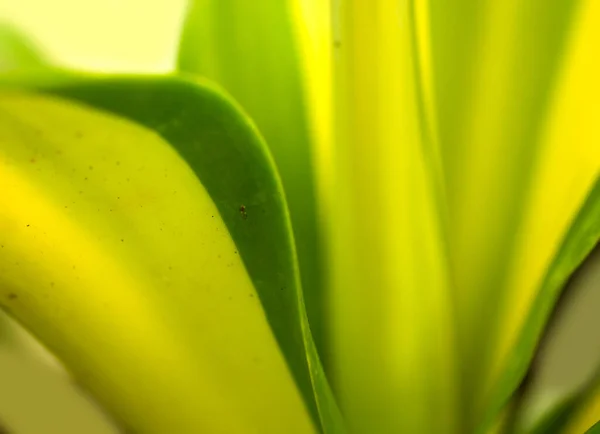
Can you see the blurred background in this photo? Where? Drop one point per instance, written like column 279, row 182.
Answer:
column 36, row 394
column 101, row 35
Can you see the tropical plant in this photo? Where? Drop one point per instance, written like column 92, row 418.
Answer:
column 357, row 227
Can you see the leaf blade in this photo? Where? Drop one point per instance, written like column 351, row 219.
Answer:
column 392, row 322
column 144, row 332
column 261, row 232
column 579, row 241
column 252, row 50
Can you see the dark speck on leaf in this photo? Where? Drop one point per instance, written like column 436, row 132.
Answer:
column 91, row 167
column 251, row 295
column 12, row 296
column 27, row 225
column 243, row 212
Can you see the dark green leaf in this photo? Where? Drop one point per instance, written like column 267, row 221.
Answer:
column 251, row 49
column 242, row 181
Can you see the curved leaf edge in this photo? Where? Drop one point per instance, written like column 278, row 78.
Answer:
column 595, row 429
column 96, row 89
column 580, row 239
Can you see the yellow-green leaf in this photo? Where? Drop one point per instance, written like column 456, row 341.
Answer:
column 392, row 325
column 17, row 54
column 595, row 429
column 515, row 100
column 116, row 256
column 574, row 415
column 253, row 50
column 196, row 128
column 583, row 235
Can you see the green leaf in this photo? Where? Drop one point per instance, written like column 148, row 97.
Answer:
column 393, row 329
column 252, row 50
column 556, row 419
column 512, row 110
column 581, row 238
column 197, row 123
column 595, row 429
column 586, row 409
column 575, row 414
column 120, row 255
column 17, row 53
column 499, row 90
column 566, row 357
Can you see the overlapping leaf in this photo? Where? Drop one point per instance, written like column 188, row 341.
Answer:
column 393, row 327
column 106, row 229
column 513, row 104
column 260, row 229
column 252, row 50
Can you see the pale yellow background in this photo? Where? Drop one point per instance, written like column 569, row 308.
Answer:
column 107, row 35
